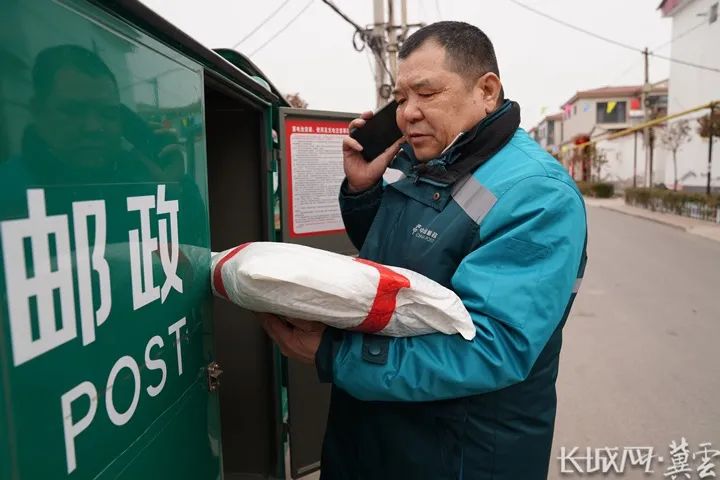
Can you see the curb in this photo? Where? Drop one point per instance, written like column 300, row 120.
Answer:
column 692, row 230
column 636, row 215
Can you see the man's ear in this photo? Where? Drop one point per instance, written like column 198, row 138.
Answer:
column 491, row 89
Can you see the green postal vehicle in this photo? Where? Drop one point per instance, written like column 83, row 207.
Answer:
column 129, row 152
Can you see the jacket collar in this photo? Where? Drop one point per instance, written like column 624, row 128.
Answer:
column 467, row 152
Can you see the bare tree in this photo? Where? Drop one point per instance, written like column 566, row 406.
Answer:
column 710, row 123
column 675, row 135
column 599, row 161
column 593, row 159
column 295, row 100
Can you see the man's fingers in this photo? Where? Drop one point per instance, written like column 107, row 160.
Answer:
column 284, row 336
column 350, row 143
column 266, row 325
column 360, row 122
column 264, row 315
column 269, row 331
column 357, row 123
column 281, row 330
column 386, row 157
column 396, row 146
column 272, row 324
column 305, row 325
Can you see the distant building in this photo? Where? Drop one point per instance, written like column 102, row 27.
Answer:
column 590, row 113
column 549, row 133
column 696, row 37
column 533, row 133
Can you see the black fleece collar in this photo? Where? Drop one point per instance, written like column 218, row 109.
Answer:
column 470, row 150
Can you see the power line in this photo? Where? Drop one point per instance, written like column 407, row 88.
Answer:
column 367, row 58
column 574, row 27
column 267, row 19
column 684, row 62
column 292, row 20
column 345, row 17
column 378, row 55
column 680, row 35
column 610, row 40
column 635, row 64
column 366, row 39
column 677, row 60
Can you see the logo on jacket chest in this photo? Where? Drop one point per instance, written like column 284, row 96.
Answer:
column 424, row 233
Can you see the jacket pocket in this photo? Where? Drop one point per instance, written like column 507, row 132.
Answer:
column 527, row 250
column 514, row 289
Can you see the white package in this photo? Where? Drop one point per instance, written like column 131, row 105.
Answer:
column 344, row 292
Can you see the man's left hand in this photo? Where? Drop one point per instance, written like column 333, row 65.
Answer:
column 297, row 339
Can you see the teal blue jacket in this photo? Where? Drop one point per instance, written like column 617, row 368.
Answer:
column 508, row 236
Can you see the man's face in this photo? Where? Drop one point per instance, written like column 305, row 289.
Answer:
column 435, row 103
column 80, row 119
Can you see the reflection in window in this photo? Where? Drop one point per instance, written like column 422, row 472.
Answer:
column 81, row 105
column 611, row 112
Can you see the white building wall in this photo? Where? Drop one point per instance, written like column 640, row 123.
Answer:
column 585, row 120
column 690, row 87
column 620, row 154
column 582, row 120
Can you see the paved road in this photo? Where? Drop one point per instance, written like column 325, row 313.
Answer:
column 641, row 360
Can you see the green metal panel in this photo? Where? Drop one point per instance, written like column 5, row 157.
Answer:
column 105, row 319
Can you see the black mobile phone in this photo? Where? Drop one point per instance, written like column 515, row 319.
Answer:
column 378, row 133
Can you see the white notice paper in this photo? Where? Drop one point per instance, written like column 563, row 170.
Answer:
column 317, row 171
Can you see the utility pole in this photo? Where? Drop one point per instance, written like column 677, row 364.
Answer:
column 403, row 20
column 395, row 39
column 646, row 132
column 378, row 37
column 708, row 190
column 389, row 48
column 635, row 162
column 392, row 47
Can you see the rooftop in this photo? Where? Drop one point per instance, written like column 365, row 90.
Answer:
column 610, row 92
column 669, row 7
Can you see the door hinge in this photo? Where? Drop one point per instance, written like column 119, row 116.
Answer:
column 213, row 376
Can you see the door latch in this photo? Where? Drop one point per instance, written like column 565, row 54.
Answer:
column 213, row 376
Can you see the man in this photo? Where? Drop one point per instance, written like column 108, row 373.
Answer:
column 508, row 237
column 81, row 132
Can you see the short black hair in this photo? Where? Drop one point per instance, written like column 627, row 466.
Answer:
column 51, row 60
column 469, row 52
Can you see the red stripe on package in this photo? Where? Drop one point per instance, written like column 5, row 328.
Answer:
column 383, row 306
column 217, row 274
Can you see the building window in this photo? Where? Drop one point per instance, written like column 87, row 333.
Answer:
column 611, row 112
column 714, row 12
column 574, row 109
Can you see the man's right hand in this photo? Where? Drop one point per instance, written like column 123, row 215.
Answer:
column 360, row 173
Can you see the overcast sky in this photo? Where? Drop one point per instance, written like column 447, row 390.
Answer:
column 542, row 64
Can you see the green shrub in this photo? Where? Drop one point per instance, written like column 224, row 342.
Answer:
column 597, row 190
column 603, row 190
column 584, row 188
column 681, row 203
